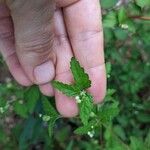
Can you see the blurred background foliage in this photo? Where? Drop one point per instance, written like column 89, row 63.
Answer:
column 126, row 25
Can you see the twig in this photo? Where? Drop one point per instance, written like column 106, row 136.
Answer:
column 140, row 17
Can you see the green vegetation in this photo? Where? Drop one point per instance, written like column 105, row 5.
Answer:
column 29, row 120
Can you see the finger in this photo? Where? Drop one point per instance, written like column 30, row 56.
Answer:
column 7, row 47
column 65, row 106
column 85, row 32
column 33, row 36
column 47, row 89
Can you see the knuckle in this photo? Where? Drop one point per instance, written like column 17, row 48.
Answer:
column 35, row 45
column 40, row 47
column 86, row 35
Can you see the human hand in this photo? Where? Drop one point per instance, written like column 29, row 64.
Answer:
column 38, row 39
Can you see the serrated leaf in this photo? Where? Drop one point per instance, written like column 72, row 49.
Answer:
column 143, row 117
column 113, row 141
column 20, row 109
column 51, row 125
column 131, row 26
column 68, row 90
column 136, row 143
column 108, row 3
column 85, row 108
column 110, row 20
column 121, row 34
column 48, row 108
column 81, row 78
column 110, row 92
column 50, row 111
column 31, row 97
column 143, row 3
column 108, row 112
column 84, row 129
column 122, row 16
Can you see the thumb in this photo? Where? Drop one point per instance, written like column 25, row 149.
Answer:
column 33, row 28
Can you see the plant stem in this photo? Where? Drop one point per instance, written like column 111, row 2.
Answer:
column 140, row 17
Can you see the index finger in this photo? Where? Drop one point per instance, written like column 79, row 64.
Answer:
column 84, row 27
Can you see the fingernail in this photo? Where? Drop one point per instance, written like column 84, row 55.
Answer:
column 44, row 73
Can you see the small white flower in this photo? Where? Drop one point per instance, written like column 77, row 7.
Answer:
column 136, row 112
column 124, row 26
column 91, row 133
column 92, row 127
column 8, row 80
column 46, row 118
column 78, row 100
column 92, row 114
column 2, row 110
column 20, row 101
column 9, row 85
column 108, row 76
column 7, row 106
column 77, row 97
column 40, row 115
column 83, row 93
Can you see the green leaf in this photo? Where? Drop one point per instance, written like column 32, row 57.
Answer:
column 108, row 35
column 131, row 26
column 81, row 78
column 110, row 92
column 20, row 109
column 113, row 141
column 136, row 143
column 85, row 108
column 108, row 67
column 108, row 3
column 119, row 131
column 147, row 140
column 143, row 117
column 107, row 112
column 3, row 135
column 70, row 145
column 31, row 97
column 122, row 16
column 50, row 111
column 69, row 90
column 110, row 20
column 48, row 108
column 121, row 34
column 84, row 129
column 51, row 125
column 143, row 3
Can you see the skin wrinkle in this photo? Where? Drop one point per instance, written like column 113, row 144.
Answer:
column 35, row 26
column 7, row 55
column 6, row 35
column 60, row 40
column 4, row 24
column 36, row 46
column 85, row 35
